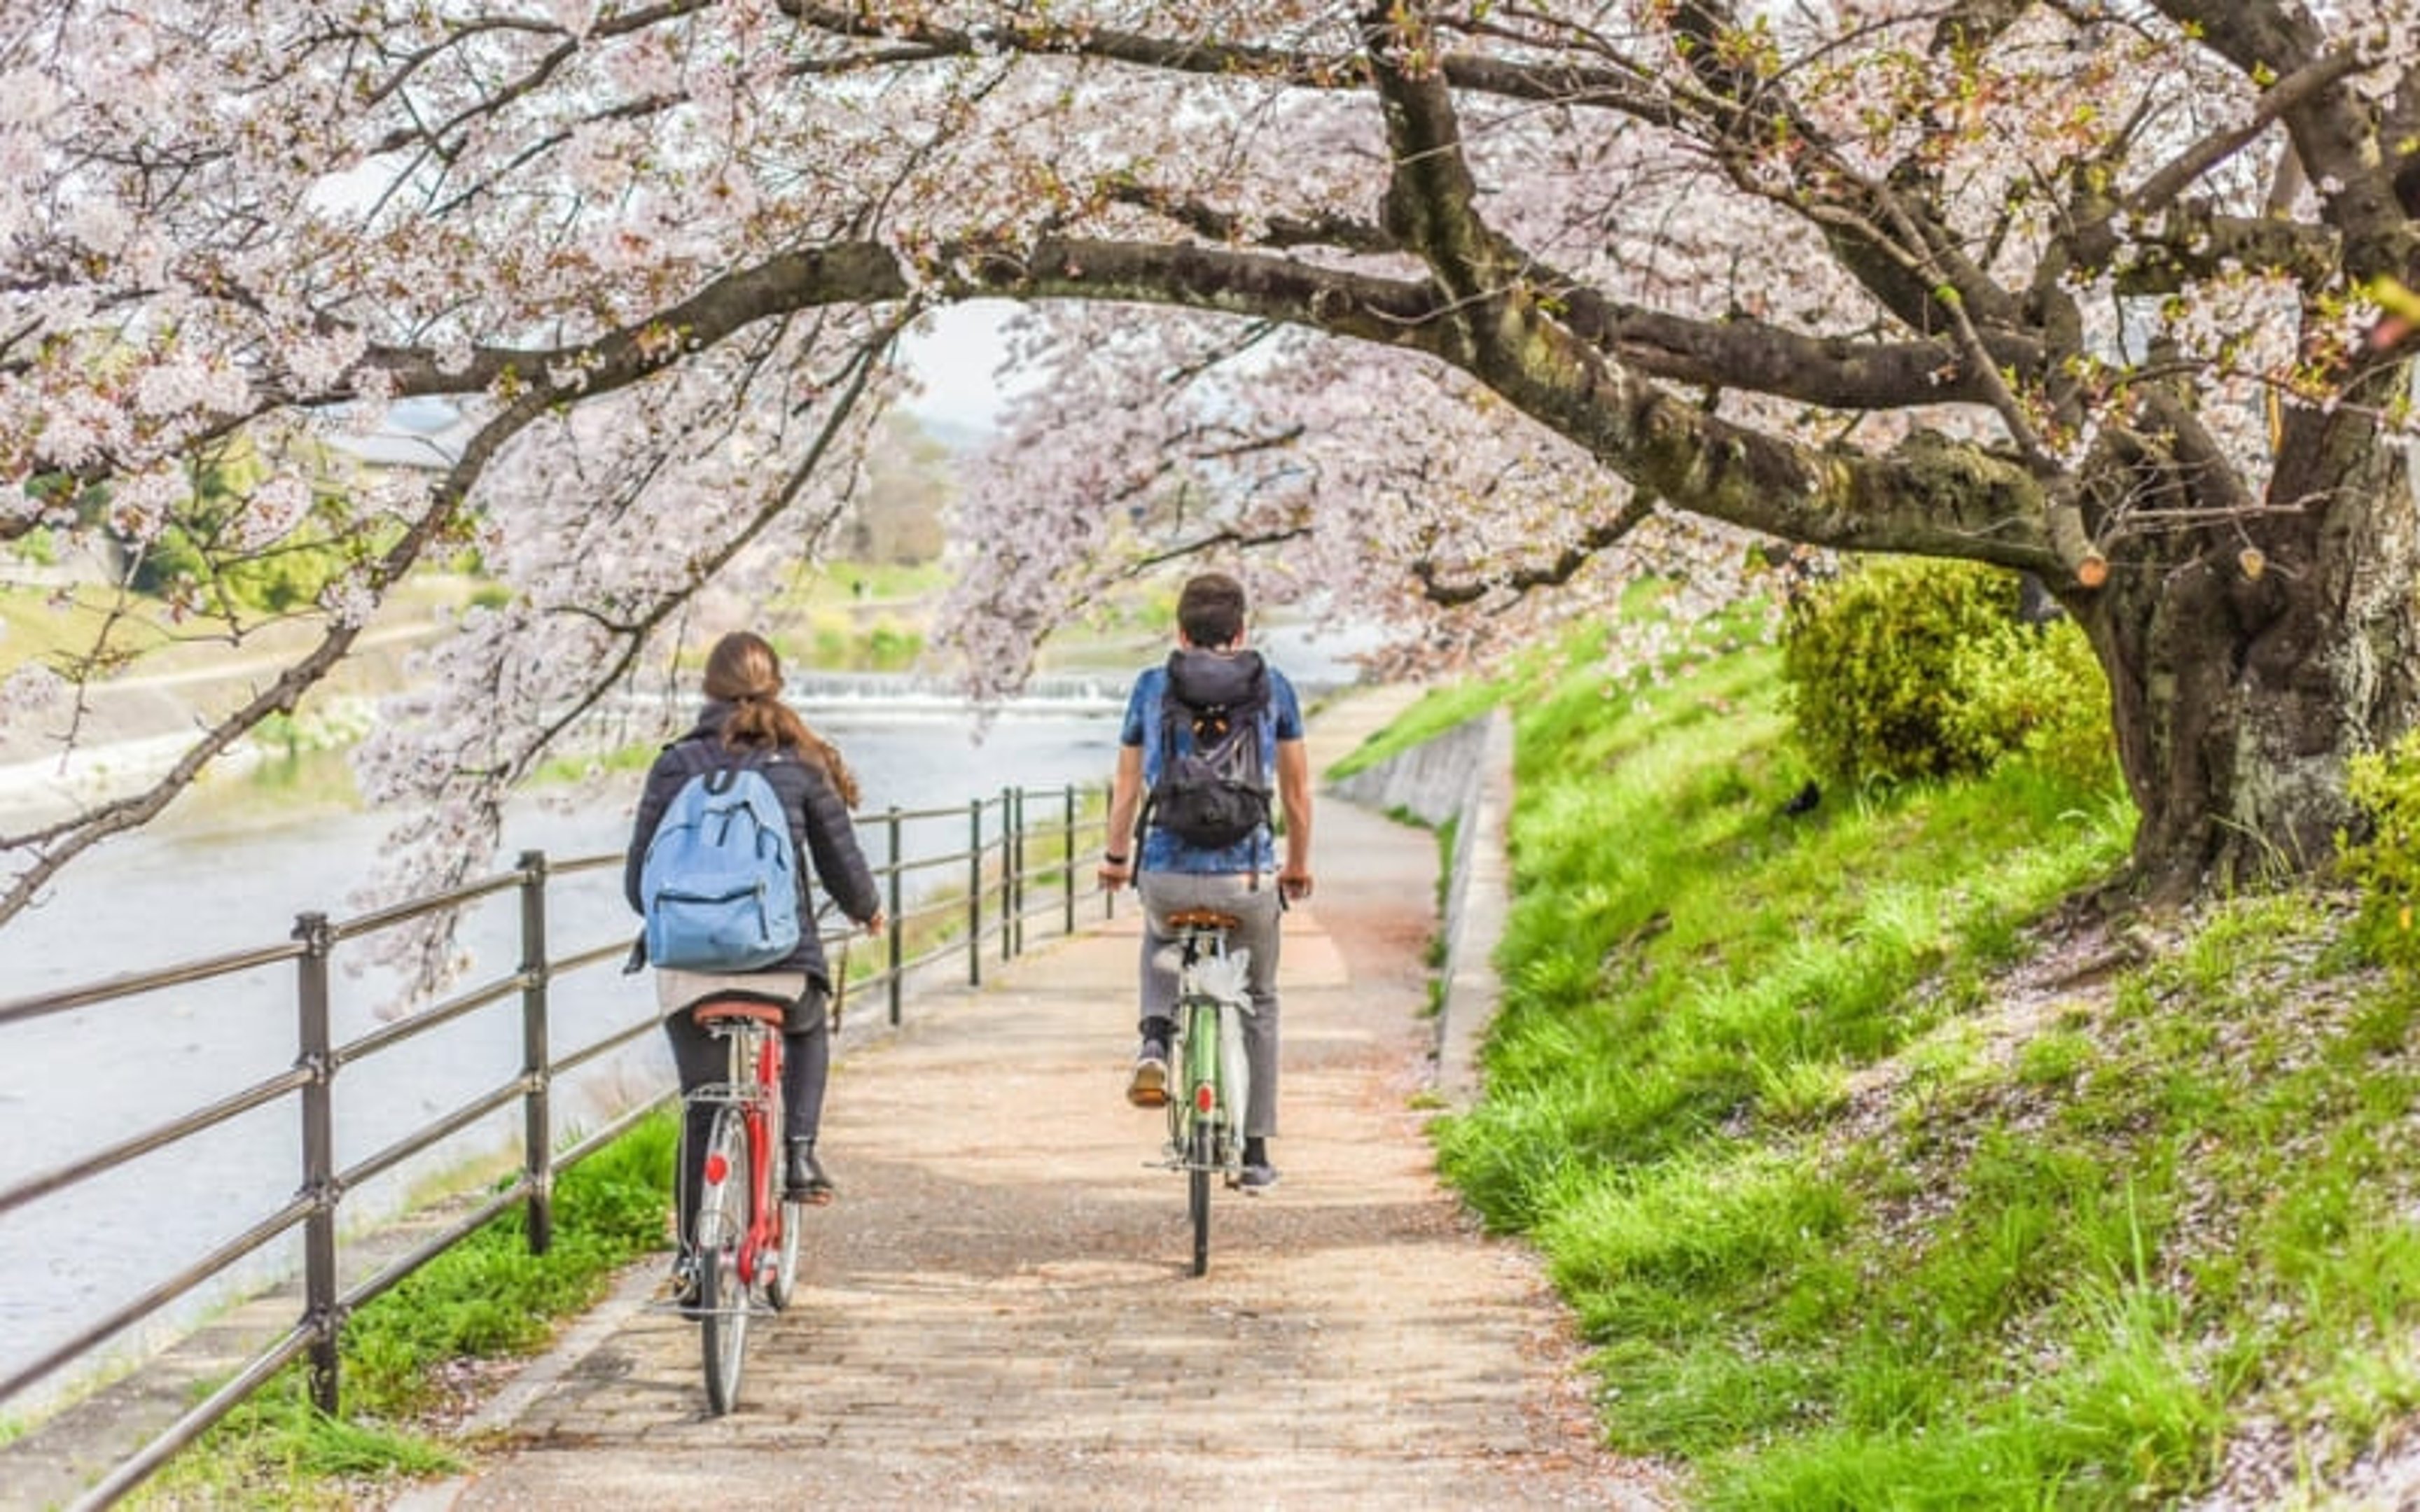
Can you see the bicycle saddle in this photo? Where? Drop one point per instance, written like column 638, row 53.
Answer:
column 1202, row 918
column 723, row 1010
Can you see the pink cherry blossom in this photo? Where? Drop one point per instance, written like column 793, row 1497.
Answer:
column 1464, row 321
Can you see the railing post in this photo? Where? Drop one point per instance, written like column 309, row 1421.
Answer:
column 897, row 921
column 537, row 1121
column 1011, row 873
column 974, row 893
column 1067, row 884
column 315, row 1052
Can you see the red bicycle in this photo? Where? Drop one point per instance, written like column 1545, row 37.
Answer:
column 746, row 1233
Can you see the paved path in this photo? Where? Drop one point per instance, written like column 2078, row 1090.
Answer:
column 998, row 1313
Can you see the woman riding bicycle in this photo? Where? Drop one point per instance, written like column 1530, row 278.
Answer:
column 745, row 722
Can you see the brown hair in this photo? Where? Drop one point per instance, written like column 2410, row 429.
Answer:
column 1210, row 611
column 744, row 671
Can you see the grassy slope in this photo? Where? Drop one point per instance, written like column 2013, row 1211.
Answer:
column 1882, row 1179
column 403, row 1353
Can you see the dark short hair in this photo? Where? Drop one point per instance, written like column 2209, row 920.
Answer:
column 1210, row 611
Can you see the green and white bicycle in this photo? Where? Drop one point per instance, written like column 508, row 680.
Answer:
column 1205, row 1116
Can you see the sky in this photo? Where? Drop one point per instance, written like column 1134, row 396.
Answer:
column 957, row 359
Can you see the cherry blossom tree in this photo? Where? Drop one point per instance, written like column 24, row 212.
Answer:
column 1458, row 316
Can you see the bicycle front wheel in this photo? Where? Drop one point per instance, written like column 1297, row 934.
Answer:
column 722, row 1212
column 782, row 1276
column 783, row 1283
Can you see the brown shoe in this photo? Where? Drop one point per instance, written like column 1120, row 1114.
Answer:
column 1148, row 1086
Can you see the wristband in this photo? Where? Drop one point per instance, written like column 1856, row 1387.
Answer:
column 1106, row 859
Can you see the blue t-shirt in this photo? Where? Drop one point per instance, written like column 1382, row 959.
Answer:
column 1164, row 852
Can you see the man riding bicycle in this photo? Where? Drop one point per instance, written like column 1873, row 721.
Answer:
column 1175, row 714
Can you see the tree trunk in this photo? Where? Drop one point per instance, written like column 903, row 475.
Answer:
column 2247, row 661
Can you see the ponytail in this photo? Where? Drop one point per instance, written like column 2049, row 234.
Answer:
column 744, row 672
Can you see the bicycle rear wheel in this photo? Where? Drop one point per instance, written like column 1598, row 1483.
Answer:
column 1198, row 1158
column 1202, row 1037
column 721, row 1231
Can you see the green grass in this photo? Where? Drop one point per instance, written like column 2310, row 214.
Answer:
column 45, row 627
column 1436, row 712
column 486, row 1298
column 1850, row 1220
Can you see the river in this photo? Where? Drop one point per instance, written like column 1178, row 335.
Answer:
column 205, row 884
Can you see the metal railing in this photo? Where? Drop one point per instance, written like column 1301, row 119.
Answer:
column 1026, row 856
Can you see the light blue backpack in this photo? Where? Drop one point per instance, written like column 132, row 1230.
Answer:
column 720, row 886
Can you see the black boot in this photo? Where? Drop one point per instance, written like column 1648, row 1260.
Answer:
column 803, row 1175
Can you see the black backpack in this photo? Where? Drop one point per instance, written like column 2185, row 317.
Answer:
column 1216, row 792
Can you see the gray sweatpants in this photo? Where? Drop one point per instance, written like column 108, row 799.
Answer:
column 1258, row 907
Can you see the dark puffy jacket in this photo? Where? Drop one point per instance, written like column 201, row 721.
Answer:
column 820, row 828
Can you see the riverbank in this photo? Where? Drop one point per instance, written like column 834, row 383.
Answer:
column 129, row 731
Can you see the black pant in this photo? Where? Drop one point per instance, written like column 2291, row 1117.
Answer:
column 702, row 1057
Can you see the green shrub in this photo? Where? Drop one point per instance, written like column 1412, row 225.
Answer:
column 2385, row 866
column 38, row 547
column 189, row 559
column 1906, row 670
column 2038, row 692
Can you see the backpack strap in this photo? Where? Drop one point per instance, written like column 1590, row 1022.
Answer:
column 1151, row 789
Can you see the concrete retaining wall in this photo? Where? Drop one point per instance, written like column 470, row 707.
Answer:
column 1463, row 775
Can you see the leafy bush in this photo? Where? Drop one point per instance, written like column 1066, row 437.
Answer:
column 1907, row 670
column 2386, row 865
column 190, row 559
column 2036, row 691
column 37, row 545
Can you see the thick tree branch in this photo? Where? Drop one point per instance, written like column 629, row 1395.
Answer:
column 844, row 273
column 1599, row 536
column 2187, row 168
column 2334, row 131
column 1928, row 497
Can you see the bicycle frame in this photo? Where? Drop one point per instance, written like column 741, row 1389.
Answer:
column 1214, row 1078
column 1205, row 1118
column 753, row 1030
